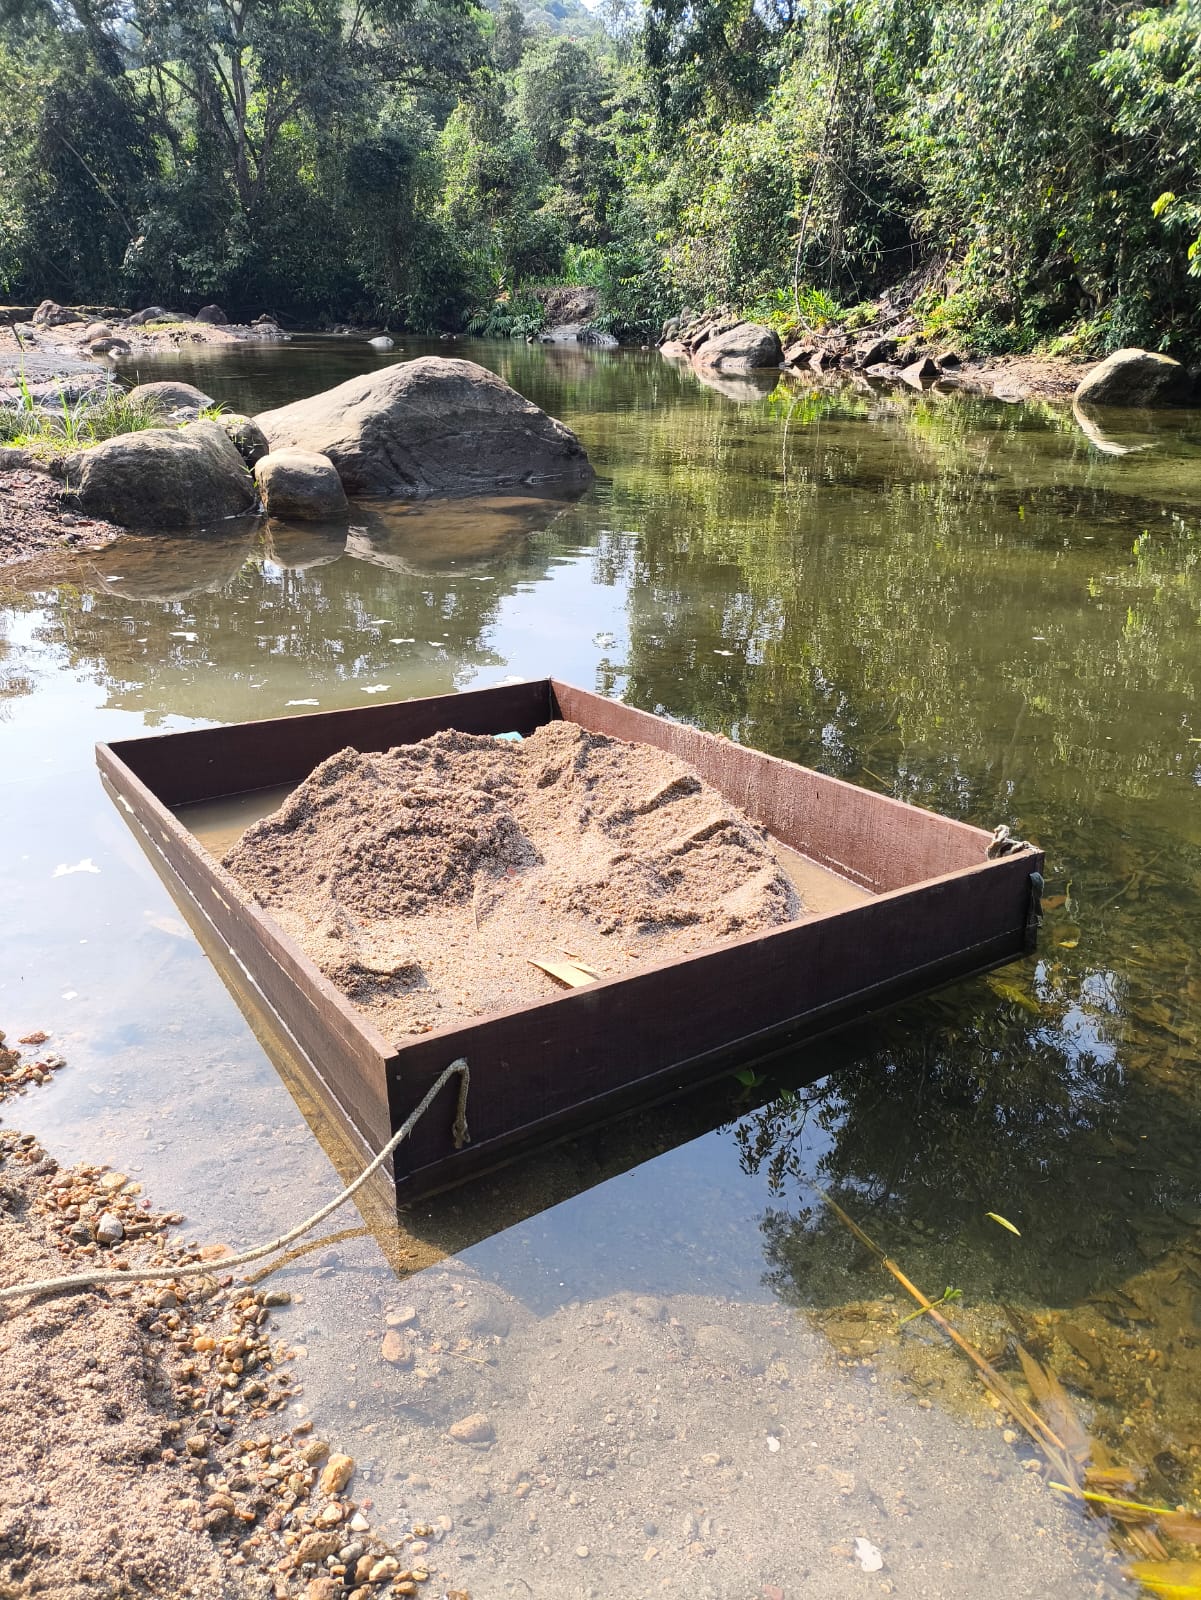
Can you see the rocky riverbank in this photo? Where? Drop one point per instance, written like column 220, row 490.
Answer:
column 65, row 340
column 896, row 352
column 141, row 1450
column 34, row 518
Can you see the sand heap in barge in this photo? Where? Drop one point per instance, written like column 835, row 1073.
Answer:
column 424, row 881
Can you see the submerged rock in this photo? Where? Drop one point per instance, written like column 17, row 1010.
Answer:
column 163, row 478
column 300, row 485
column 1135, row 378
column 430, row 426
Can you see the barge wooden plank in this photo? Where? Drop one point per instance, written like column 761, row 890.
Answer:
column 207, row 763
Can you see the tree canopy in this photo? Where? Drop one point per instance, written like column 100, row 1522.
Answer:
column 1021, row 170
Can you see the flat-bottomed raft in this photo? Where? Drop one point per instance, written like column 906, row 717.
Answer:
column 936, row 908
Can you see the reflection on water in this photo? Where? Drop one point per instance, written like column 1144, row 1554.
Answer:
column 982, row 608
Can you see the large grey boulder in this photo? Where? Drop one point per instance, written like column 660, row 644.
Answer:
column 150, row 314
column 1135, row 378
column 213, row 315
column 430, row 426
column 163, row 478
column 169, row 396
column 744, row 348
column 300, row 486
column 51, row 315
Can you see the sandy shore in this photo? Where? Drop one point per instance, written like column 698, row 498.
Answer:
column 140, row 1443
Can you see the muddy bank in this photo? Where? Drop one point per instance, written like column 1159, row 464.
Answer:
column 1022, row 377
column 141, row 1451
column 34, row 519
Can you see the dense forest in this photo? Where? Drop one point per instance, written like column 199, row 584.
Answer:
column 1024, row 172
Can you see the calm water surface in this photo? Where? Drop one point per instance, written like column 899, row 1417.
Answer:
column 969, row 604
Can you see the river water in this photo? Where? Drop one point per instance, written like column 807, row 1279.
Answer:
column 695, row 1375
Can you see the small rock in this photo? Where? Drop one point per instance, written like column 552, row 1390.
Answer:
column 316, row 1450
column 109, row 1229
column 915, row 374
column 316, row 1547
column 277, row 1297
column 401, row 1318
column 387, row 1568
column 867, row 1555
column 359, row 1523
column 323, row 1589
column 247, row 438
column 197, row 1445
column 475, row 1429
column 300, row 485
column 331, row 1515
column 582, row 1551
column 650, row 1308
column 337, row 1474
column 396, row 1350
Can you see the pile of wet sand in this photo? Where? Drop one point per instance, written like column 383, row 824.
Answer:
column 425, row 880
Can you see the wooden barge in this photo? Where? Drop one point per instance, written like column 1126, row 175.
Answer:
column 936, row 908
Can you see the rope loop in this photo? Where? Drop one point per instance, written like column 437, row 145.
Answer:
column 195, row 1269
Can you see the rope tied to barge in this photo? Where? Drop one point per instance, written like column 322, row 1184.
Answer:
column 195, row 1269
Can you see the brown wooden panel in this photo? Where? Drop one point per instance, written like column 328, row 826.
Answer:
column 541, row 1062
column 205, row 763
column 872, row 839
column 344, row 1048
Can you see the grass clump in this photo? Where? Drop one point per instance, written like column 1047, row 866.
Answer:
column 72, row 424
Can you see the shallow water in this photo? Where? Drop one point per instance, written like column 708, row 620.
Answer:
column 969, row 604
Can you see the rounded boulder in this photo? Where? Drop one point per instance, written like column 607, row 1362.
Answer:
column 169, row 396
column 300, row 486
column 745, row 347
column 213, row 315
column 181, row 478
column 1135, row 378
column 434, row 426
